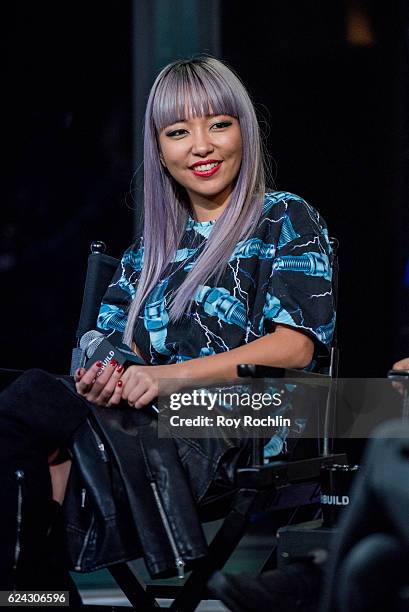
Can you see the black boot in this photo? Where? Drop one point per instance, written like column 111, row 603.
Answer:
column 24, row 523
column 37, row 415
column 51, row 570
column 33, row 556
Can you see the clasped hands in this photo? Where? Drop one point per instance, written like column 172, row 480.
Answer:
column 107, row 386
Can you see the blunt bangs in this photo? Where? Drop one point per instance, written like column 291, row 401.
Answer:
column 191, row 90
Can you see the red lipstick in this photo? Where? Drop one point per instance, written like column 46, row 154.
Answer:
column 206, row 173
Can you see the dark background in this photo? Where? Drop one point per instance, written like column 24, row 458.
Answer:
column 330, row 79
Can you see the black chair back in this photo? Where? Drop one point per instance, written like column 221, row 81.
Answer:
column 100, row 270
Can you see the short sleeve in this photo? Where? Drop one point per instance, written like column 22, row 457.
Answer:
column 114, row 307
column 300, row 289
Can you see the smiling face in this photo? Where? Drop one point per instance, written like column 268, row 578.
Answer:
column 203, row 154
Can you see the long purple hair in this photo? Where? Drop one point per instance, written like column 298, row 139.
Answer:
column 204, row 86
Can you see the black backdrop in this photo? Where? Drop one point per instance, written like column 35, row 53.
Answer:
column 69, row 167
column 338, row 136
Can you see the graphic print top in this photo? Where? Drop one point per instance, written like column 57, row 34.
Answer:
column 280, row 275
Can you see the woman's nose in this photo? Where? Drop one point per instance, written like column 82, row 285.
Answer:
column 202, row 144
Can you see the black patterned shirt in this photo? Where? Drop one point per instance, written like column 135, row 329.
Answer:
column 280, row 275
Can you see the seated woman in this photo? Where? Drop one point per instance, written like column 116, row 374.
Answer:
column 225, row 273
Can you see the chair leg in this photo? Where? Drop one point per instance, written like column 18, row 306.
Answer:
column 222, row 546
column 133, row 587
column 220, row 549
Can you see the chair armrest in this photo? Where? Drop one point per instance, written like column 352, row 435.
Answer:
column 251, row 370
column 280, row 473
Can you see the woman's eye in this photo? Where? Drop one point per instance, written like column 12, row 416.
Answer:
column 175, row 133
column 221, row 124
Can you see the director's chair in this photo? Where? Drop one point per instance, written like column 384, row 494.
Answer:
column 260, row 487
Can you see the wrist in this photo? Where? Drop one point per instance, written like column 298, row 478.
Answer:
column 212, row 367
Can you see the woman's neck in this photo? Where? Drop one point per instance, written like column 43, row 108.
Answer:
column 208, row 209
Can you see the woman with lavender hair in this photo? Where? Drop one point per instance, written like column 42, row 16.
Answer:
column 225, row 273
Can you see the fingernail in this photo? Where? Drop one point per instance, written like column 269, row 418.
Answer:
column 120, row 369
column 77, row 372
column 113, row 362
column 119, row 383
column 99, row 364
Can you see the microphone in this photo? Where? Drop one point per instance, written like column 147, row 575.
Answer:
column 97, row 347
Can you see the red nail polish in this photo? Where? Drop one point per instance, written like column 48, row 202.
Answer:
column 120, row 369
column 113, row 362
column 99, row 364
column 119, row 383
